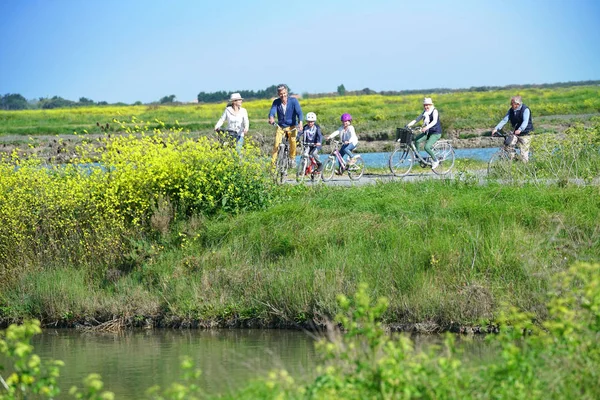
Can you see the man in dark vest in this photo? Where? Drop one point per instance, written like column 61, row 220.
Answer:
column 519, row 116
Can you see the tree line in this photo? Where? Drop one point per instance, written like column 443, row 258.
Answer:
column 14, row 101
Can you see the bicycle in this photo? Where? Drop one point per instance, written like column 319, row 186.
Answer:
column 502, row 162
column 354, row 167
column 283, row 162
column 227, row 136
column 308, row 165
column 406, row 154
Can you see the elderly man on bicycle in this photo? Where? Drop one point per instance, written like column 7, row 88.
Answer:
column 289, row 118
column 519, row 116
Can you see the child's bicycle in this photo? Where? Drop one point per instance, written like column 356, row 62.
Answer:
column 406, row 154
column 503, row 163
column 354, row 167
column 282, row 162
column 308, row 166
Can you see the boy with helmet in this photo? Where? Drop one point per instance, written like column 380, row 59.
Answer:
column 348, row 138
column 431, row 129
column 313, row 136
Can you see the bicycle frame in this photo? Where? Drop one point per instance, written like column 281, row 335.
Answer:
column 335, row 152
column 283, row 151
column 407, row 153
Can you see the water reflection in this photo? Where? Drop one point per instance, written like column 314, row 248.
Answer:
column 134, row 361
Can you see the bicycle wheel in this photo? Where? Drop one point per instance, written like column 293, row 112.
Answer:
column 445, row 154
column 401, row 161
column 500, row 165
column 356, row 170
column 301, row 170
column 328, row 169
column 281, row 166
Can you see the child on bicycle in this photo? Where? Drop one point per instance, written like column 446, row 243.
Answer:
column 313, row 137
column 431, row 131
column 348, row 138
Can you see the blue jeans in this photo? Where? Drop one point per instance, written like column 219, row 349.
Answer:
column 346, row 149
column 239, row 144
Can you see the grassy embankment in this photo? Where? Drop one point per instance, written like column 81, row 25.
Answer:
column 176, row 231
column 445, row 254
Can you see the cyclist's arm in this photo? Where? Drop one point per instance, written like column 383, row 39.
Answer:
column 273, row 112
column 221, row 120
column 334, row 134
column 501, row 123
column 245, row 121
column 414, row 121
column 319, row 137
column 299, row 114
column 526, row 115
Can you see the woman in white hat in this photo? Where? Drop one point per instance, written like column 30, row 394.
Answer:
column 431, row 131
column 236, row 117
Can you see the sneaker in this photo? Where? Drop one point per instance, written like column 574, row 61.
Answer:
column 352, row 161
column 435, row 164
column 337, row 171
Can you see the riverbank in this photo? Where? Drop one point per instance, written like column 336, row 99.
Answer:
column 446, row 254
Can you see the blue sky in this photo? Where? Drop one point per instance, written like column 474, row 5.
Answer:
column 142, row 50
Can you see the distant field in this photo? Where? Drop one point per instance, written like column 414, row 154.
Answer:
column 375, row 116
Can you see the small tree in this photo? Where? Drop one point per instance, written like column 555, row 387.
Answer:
column 13, row 102
column 341, row 90
column 167, row 99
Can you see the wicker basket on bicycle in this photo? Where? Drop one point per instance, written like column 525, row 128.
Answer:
column 404, row 134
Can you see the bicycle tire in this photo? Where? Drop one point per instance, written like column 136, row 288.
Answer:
column 500, row 165
column 445, row 154
column 328, row 169
column 356, row 170
column 281, row 166
column 301, row 170
column 401, row 161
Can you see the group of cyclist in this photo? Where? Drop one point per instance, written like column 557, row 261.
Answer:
column 289, row 120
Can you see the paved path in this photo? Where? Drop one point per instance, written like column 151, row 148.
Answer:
column 479, row 175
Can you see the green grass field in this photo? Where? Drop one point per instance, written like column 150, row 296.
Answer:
column 375, row 116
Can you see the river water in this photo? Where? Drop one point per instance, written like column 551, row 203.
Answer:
column 133, row 361
column 381, row 159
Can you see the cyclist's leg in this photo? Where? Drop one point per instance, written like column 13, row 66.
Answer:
column 420, row 139
column 314, row 153
column 239, row 144
column 351, row 155
column 278, row 136
column 524, row 143
column 292, row 136
column 343, row 152
column 429, row 145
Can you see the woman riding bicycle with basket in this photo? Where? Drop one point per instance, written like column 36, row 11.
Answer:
column 431, row 131
column 313, row 137
column 237, row 120
column 348, row 138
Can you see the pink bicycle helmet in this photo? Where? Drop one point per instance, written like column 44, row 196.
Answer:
column 346, row 117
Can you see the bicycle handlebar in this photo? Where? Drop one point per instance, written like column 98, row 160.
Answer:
column 226, row 131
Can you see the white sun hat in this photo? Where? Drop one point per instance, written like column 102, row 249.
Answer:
column 427, row 100
column 235, row 96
